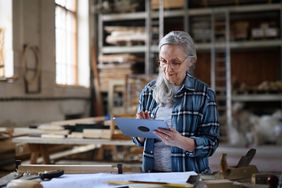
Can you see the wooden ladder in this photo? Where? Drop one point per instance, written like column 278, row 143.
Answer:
column 220, row 68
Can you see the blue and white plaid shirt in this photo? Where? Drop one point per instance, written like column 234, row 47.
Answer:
column 195, row 115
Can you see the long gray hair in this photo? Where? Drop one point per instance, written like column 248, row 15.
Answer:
column 164, row 90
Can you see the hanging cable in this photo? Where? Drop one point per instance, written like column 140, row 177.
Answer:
column 31, row 75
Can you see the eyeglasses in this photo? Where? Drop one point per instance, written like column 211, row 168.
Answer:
column 174, row 64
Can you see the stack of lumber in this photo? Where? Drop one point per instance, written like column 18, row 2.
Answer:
column 134, row 85
column 41, row 131
column 201, row 29
column 116, row 67
column 125, row 35
column 113, row 72
column 274, row 87
column 97, row 128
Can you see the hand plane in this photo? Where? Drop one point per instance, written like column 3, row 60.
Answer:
column 243, row 170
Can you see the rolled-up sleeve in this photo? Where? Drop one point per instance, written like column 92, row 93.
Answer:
column 207, row 137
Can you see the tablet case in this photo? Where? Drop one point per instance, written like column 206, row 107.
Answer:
column 139, row 127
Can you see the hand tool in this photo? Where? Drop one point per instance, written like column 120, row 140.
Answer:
column 246, row 160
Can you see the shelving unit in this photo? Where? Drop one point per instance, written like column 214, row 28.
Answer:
column 229, row 46
column 206, row 49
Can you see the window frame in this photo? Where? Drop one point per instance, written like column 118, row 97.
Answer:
column 68, row 80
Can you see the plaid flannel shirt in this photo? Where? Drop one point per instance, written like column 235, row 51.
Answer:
column 194, row 115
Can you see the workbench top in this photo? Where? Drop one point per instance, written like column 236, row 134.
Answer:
column 40, row 140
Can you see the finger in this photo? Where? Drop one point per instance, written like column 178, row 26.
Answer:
column 143, row 115
column 162, row 134
column 164, row 131
column 147, row 115
column 140, row 115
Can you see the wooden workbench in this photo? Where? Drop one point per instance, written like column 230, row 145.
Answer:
column 40, row 146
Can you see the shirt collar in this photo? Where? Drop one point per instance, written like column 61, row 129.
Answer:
column 189, row 82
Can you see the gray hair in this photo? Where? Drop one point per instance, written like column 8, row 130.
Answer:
column 163, row 91
column 183, row 39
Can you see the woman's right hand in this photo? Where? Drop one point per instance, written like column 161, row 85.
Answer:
column 142, row 115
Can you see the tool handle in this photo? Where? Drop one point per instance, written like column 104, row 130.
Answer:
column 51, row 174
column 272, row 181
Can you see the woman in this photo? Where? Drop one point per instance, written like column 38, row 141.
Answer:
column 186, row 104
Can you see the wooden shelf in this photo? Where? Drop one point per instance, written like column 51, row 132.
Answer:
column 242, row 44
column 192, row 12
column 199, row 46
column 257, row 97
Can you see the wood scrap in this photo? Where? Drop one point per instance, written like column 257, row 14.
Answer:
column 38, row 132
column 97, row 133
column 89, row 120
column 19, row 131
column 50, row 127
column 75, row 135
column 53, row 136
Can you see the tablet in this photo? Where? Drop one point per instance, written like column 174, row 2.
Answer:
column 139, row 127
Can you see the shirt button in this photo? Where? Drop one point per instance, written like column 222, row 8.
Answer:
column 151, row 151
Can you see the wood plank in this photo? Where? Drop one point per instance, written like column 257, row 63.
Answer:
column 98, row 104
column 76, row 135
column 39, row 140
column 121, row 58
column 97, row 133
column 53, row 135
column 90, row 120
column 69, row 169
column 29, row 131
column 63, row 154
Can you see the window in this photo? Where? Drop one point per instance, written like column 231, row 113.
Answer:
column 6, row 48
column 72, row 57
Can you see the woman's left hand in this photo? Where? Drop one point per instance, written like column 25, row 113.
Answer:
column 172, row 137
column 169, row 136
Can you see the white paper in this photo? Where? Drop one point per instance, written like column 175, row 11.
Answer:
column 100, row 180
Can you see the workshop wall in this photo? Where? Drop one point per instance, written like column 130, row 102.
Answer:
column 34, row 26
